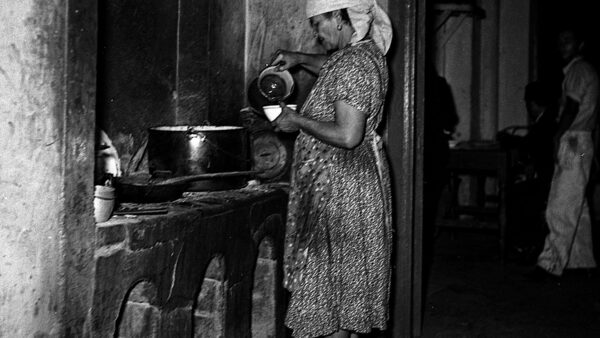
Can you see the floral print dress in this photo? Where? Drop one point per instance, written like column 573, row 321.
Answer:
column 338, row 237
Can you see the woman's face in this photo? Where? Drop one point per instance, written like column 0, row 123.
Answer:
column 326, row 32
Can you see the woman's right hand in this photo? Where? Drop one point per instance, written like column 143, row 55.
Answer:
column 286, row 121
column 285, row 59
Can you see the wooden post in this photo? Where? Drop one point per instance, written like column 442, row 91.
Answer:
column 404, row 145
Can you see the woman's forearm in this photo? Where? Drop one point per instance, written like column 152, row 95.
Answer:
column 312, row 62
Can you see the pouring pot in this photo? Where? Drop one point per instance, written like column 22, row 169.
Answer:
column 196, row 150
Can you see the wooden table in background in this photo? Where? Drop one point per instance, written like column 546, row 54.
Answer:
column 482, row 160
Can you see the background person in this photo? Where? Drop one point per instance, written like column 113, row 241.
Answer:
column 339, row 235
column 569, row 243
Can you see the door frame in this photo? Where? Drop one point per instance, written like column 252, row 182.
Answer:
column 404, row 139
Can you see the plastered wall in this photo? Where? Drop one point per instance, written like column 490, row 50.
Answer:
column 486, row 63
column 46, row 147
column 30, row 169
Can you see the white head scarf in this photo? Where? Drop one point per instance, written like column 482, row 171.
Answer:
column 365, row 15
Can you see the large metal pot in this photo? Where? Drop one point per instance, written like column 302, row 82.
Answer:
column 194, row 150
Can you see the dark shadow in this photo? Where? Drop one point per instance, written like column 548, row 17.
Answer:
column 530, row 178
column 439, row 124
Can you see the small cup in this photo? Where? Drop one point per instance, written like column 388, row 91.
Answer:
column 104, row 202
column 273, row 111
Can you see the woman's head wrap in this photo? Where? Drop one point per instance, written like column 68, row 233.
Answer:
column 365, row 15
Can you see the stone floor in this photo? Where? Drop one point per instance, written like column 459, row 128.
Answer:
column 472, row 294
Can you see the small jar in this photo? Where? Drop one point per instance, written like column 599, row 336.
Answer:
column 104, row 202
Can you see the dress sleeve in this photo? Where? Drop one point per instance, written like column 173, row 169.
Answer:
column 356, row 82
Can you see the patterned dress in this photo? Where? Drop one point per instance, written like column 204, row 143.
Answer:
column 338, row 238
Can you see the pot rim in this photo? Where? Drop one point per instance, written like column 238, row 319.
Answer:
column 196, row 128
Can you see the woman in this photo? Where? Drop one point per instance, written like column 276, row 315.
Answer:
column 338, row 239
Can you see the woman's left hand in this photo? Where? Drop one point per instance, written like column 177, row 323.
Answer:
column 286, row 121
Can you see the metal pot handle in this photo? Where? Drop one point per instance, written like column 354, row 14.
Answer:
column 191, row 134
